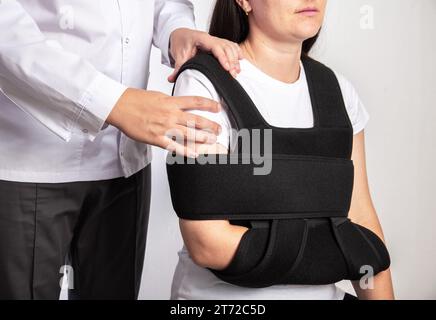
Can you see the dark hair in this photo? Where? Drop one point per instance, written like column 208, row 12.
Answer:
column 229, row 21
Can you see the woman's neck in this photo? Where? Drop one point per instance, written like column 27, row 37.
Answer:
column 277, row 59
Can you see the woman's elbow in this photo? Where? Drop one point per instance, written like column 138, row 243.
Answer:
column 208, row 255
column 212, row 244
column 203, row 259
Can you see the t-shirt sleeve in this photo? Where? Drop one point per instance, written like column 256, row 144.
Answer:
column 194, row 83
column 357, row 112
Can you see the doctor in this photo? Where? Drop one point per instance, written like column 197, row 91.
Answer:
column 76, row 125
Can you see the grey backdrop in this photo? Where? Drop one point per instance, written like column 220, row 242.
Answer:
column 390, row 61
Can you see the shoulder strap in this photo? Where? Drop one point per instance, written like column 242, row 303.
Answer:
column 325, row 92
column 326, row 95
column 239, row 103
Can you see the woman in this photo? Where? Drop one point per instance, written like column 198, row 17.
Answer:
column 273, row 35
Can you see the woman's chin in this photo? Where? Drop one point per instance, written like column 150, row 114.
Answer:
column 306, row 32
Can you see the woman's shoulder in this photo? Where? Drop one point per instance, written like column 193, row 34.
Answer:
column 356, row 109
column 192, row 82
column 347, row 87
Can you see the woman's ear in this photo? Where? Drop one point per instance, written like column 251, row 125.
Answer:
column 245, row 5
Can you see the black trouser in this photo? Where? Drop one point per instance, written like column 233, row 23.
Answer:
column 102, row 224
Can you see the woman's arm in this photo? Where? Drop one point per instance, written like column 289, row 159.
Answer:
column 362, row 212
column 211, row 244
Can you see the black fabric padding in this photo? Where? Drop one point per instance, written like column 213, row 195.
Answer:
column 297, row 187
column 283, row 249
column 299, row 231
column 251, row 249
column 379, row 249
column 304, row 251
column 322, row 262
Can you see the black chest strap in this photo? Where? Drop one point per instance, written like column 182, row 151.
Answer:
column 295, row 187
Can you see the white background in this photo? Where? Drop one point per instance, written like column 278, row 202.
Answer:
column 393, row 68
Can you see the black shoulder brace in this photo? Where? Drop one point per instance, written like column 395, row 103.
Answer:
column 295, row 198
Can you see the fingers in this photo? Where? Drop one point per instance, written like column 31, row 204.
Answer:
column 198, row 122
column 240, row 53
column 179, row 61
column 192, row 120
column 233, row 58
column 188, row 141
column 173, row 146
column 181, row 141
column 221, row 55
column 228, row 53
column 197, row 103
column 192, row 135
column 172, row 76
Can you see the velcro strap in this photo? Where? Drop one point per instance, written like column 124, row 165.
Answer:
column 227, row 188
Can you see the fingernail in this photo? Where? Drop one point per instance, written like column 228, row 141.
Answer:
column 228, row 66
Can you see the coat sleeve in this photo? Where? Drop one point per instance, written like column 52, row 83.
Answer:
column 58, row 88
column 170, row 15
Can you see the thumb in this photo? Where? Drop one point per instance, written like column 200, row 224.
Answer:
column 173, row 76
column 179, row 62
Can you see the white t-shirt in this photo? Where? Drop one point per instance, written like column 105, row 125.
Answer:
column 282, row 105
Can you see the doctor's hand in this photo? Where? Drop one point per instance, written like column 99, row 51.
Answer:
column 184, row 44
column 154, row 118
